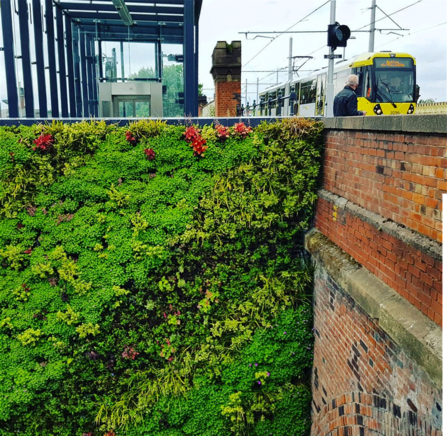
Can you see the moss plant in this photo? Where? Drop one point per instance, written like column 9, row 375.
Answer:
column 154, row 285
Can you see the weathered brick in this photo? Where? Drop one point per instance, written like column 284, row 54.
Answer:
column 417, row 162
column 397, row 264
column 367, row 377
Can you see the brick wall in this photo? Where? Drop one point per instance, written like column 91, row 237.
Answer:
column 399, row 176
column 378, row 290
column 362, row 381
column 227, row 98
column 414, row 274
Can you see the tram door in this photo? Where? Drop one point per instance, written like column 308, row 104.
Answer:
column 132, row 106
column 321, row 95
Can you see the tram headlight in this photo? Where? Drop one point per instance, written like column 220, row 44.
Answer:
column 410, row 109
column 378, row 110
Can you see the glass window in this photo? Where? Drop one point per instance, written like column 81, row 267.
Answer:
column 394, row 85
column 367, row 91
column 172, row 80
column 308, row 92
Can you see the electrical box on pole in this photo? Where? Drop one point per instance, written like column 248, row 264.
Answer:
column 337, row 35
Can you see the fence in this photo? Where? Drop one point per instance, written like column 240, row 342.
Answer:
column 432, row 108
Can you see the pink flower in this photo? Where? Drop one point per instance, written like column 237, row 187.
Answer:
column 129, row 353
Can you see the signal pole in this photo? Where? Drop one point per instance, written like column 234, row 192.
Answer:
column 330, row 71
column 372, row 29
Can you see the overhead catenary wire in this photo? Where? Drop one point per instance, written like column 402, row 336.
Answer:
column 414, row 33
column 359, row 29
column 276, row 37
column 376, row 21
column 388, row 15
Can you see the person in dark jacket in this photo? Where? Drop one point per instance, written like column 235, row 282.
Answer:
column 345, row 102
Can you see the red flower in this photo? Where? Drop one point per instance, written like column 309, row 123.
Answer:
column 12, row 156
column 222, row 132
column 191, row 134
column 43, row 143
column 20, row 226
column 149, row 153
column 130, row 138
column 199, row 146
column 241, row 130
column 29, row 251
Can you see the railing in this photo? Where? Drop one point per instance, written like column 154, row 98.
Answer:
column 186, row 121
column 432, row 108
column 269, row 104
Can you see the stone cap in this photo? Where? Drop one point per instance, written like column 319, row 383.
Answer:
column 433, row 123
column 415, row 333
column 227, row 61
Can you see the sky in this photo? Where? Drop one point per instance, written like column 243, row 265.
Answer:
column 424, row 35
column 425, row 39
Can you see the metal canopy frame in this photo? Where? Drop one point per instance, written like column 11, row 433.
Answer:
column 72, row 28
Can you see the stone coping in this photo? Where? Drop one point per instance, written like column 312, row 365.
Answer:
column 415, row 333
column 416, row 240
column 434, row 123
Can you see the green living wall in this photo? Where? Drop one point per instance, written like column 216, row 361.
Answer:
column 152, row 279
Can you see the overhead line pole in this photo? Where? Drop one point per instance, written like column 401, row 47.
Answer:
column 372, row 29
column 290, row 74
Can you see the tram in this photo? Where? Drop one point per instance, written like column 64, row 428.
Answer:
column 387, row 86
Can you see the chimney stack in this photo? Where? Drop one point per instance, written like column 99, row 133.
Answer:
column 226, row 71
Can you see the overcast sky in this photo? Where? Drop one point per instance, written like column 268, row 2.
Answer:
column 426, row 39
column 222, row 20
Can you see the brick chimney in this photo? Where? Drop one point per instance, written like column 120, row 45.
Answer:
column 226, row 71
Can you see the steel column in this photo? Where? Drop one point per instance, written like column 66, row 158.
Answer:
column 188, row 59
column 159, row 57
column 70, row 66
column 101, row 74
column 61, row 59
column 84, row 79
column 330, row 72
column 40, row 65
column 77, row 70
column 196, row 69
column 88, row 41
column 95, row 79
column 49, row 20
column 372, row 26
column 10, row 62
column 26, row 58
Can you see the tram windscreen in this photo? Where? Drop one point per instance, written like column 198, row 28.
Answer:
column 395, row 80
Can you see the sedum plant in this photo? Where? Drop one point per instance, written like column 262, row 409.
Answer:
column 154, row 285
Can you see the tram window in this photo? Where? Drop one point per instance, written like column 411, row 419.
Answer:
column 359, row 88
column 367, row 84
column 283, row 93
column 308, row 92
column 395, row 85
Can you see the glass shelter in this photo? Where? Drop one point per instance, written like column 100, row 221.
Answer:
column 98, row 58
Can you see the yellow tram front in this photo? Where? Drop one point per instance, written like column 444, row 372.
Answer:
column 387, row 83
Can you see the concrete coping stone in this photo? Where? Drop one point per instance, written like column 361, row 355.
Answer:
column 431, row 124
column 416, row 334
column 420, row 242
